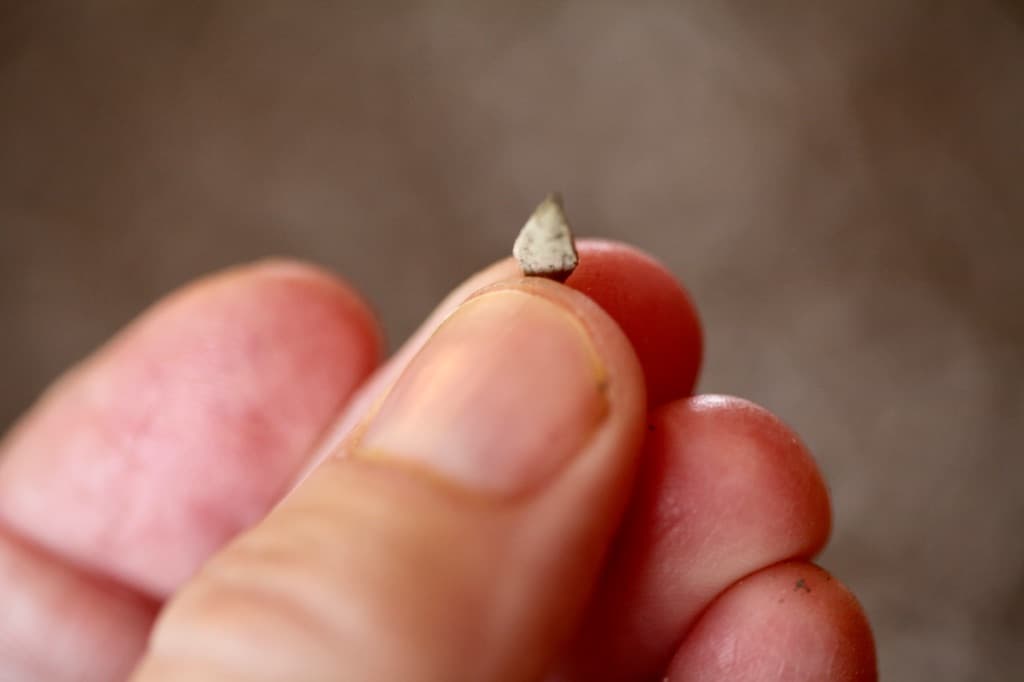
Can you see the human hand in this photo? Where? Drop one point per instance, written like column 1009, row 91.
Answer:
column 537, row 497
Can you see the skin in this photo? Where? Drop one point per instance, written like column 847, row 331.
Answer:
column 237, row 467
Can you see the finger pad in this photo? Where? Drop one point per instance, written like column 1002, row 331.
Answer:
column 188, row 426
column 724, row 489
column 653, row 310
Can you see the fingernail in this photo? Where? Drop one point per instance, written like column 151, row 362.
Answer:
column 503, row 394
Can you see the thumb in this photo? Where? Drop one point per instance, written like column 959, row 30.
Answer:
column 458, row 533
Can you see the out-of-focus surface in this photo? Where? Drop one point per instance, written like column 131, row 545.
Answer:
column 838, row 183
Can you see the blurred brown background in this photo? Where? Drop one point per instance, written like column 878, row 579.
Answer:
column 838, row 183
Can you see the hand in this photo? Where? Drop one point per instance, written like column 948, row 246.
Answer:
column 462, row 530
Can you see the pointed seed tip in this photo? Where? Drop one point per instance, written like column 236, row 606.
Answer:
column 545, row 246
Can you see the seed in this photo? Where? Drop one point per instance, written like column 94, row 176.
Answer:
column 545, row 247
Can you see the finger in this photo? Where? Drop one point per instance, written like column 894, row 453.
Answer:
column 724, row 490
column 641, row 295
column 60, row 624
column 459, row 538
column 788, row 623
column 653, row 310
column 186, row 427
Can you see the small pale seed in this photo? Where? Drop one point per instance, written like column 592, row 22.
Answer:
column 545, row 246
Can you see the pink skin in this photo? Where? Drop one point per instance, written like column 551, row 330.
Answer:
column 713, row 468
column 185, row 428
column 655, row 312
column 193, row 422
column 750, row 632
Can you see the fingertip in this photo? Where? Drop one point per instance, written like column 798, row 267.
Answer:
column 654, row 312
column 517, row 358
column 189, row 424
column 652, row 308
column 310, row 284
column 792, row 621
column 612, row 343
column 724, row 489
column 751, row 440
